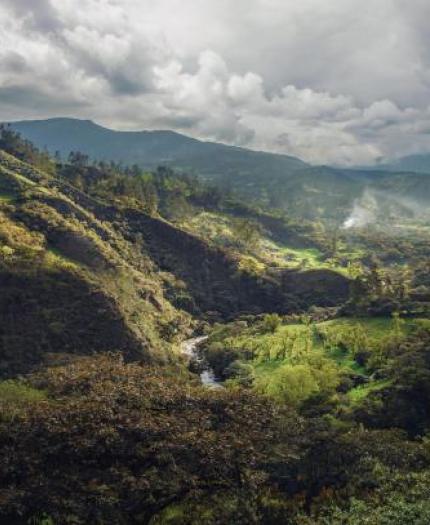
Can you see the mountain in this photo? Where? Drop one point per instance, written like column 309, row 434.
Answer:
column 149, row 148
column 415, row 163
column 106, row 273
column 69, row 280
column 266, row 179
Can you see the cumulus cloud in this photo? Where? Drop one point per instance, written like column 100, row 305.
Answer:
column 332, row 82
column 38, row 14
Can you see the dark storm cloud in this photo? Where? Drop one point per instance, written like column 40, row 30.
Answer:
column 340, row 81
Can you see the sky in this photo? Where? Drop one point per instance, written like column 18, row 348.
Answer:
column 341, row 82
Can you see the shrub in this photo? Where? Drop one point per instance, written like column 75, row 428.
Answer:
column 270, row 323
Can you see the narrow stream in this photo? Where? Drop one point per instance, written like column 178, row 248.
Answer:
column 189, row 348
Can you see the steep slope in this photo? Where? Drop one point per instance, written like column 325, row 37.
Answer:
column 208, row 281
column 70, row 282
column 128, row 267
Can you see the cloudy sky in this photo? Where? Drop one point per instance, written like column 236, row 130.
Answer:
column 331, row 81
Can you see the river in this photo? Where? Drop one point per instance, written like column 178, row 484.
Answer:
column 190, row 348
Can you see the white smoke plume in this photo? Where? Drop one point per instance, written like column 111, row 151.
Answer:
column 364, row 211
column 376, row 206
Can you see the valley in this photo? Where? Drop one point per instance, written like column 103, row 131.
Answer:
column 176, row 351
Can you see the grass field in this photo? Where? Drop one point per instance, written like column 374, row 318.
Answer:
column 16, row 397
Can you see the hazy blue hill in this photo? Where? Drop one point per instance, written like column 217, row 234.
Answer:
column 147, row 148
column 416, row 163
column 419, row 163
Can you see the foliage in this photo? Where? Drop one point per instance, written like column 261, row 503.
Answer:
column 129, row 441
column 96, row 257
column 270, row 323
column 12, row 142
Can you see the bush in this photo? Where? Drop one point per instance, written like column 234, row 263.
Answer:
column 270, row 323
column 243, row 373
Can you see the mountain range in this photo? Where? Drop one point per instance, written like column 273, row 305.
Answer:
column 271, row 180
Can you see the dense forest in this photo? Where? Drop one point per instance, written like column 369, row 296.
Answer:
column 315, row 326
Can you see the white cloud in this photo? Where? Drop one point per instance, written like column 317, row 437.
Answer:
column 331, row 82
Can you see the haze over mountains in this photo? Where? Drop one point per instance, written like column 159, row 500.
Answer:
column 419, row 163
column 154, row 147
column 271, row 179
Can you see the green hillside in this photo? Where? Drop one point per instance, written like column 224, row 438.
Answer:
column 314, row 338
column 71, row 281
column 70, row 259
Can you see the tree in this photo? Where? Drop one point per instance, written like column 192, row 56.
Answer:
column 247, row 232
column 270, row 323
column 78, row 159
column 374, row 278
column 176, row 207
column 150, row 198
column 291, row 384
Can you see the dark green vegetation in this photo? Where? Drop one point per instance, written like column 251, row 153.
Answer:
column 321, row 336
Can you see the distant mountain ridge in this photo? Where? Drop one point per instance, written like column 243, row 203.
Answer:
column 147, row 148
column 419, row 163
column 267, row 179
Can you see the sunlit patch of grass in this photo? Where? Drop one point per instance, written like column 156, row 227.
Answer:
column 376, row 327
column 302, row 258
column 23, row 179
column 45, row 191
column 55, row 258
column 311, row 254
column 16, row 397
column 358, row 394
column 423, row 323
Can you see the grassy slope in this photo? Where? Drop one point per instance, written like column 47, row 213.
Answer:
column 116, row 255
column 82, row 287
column 268, row 252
